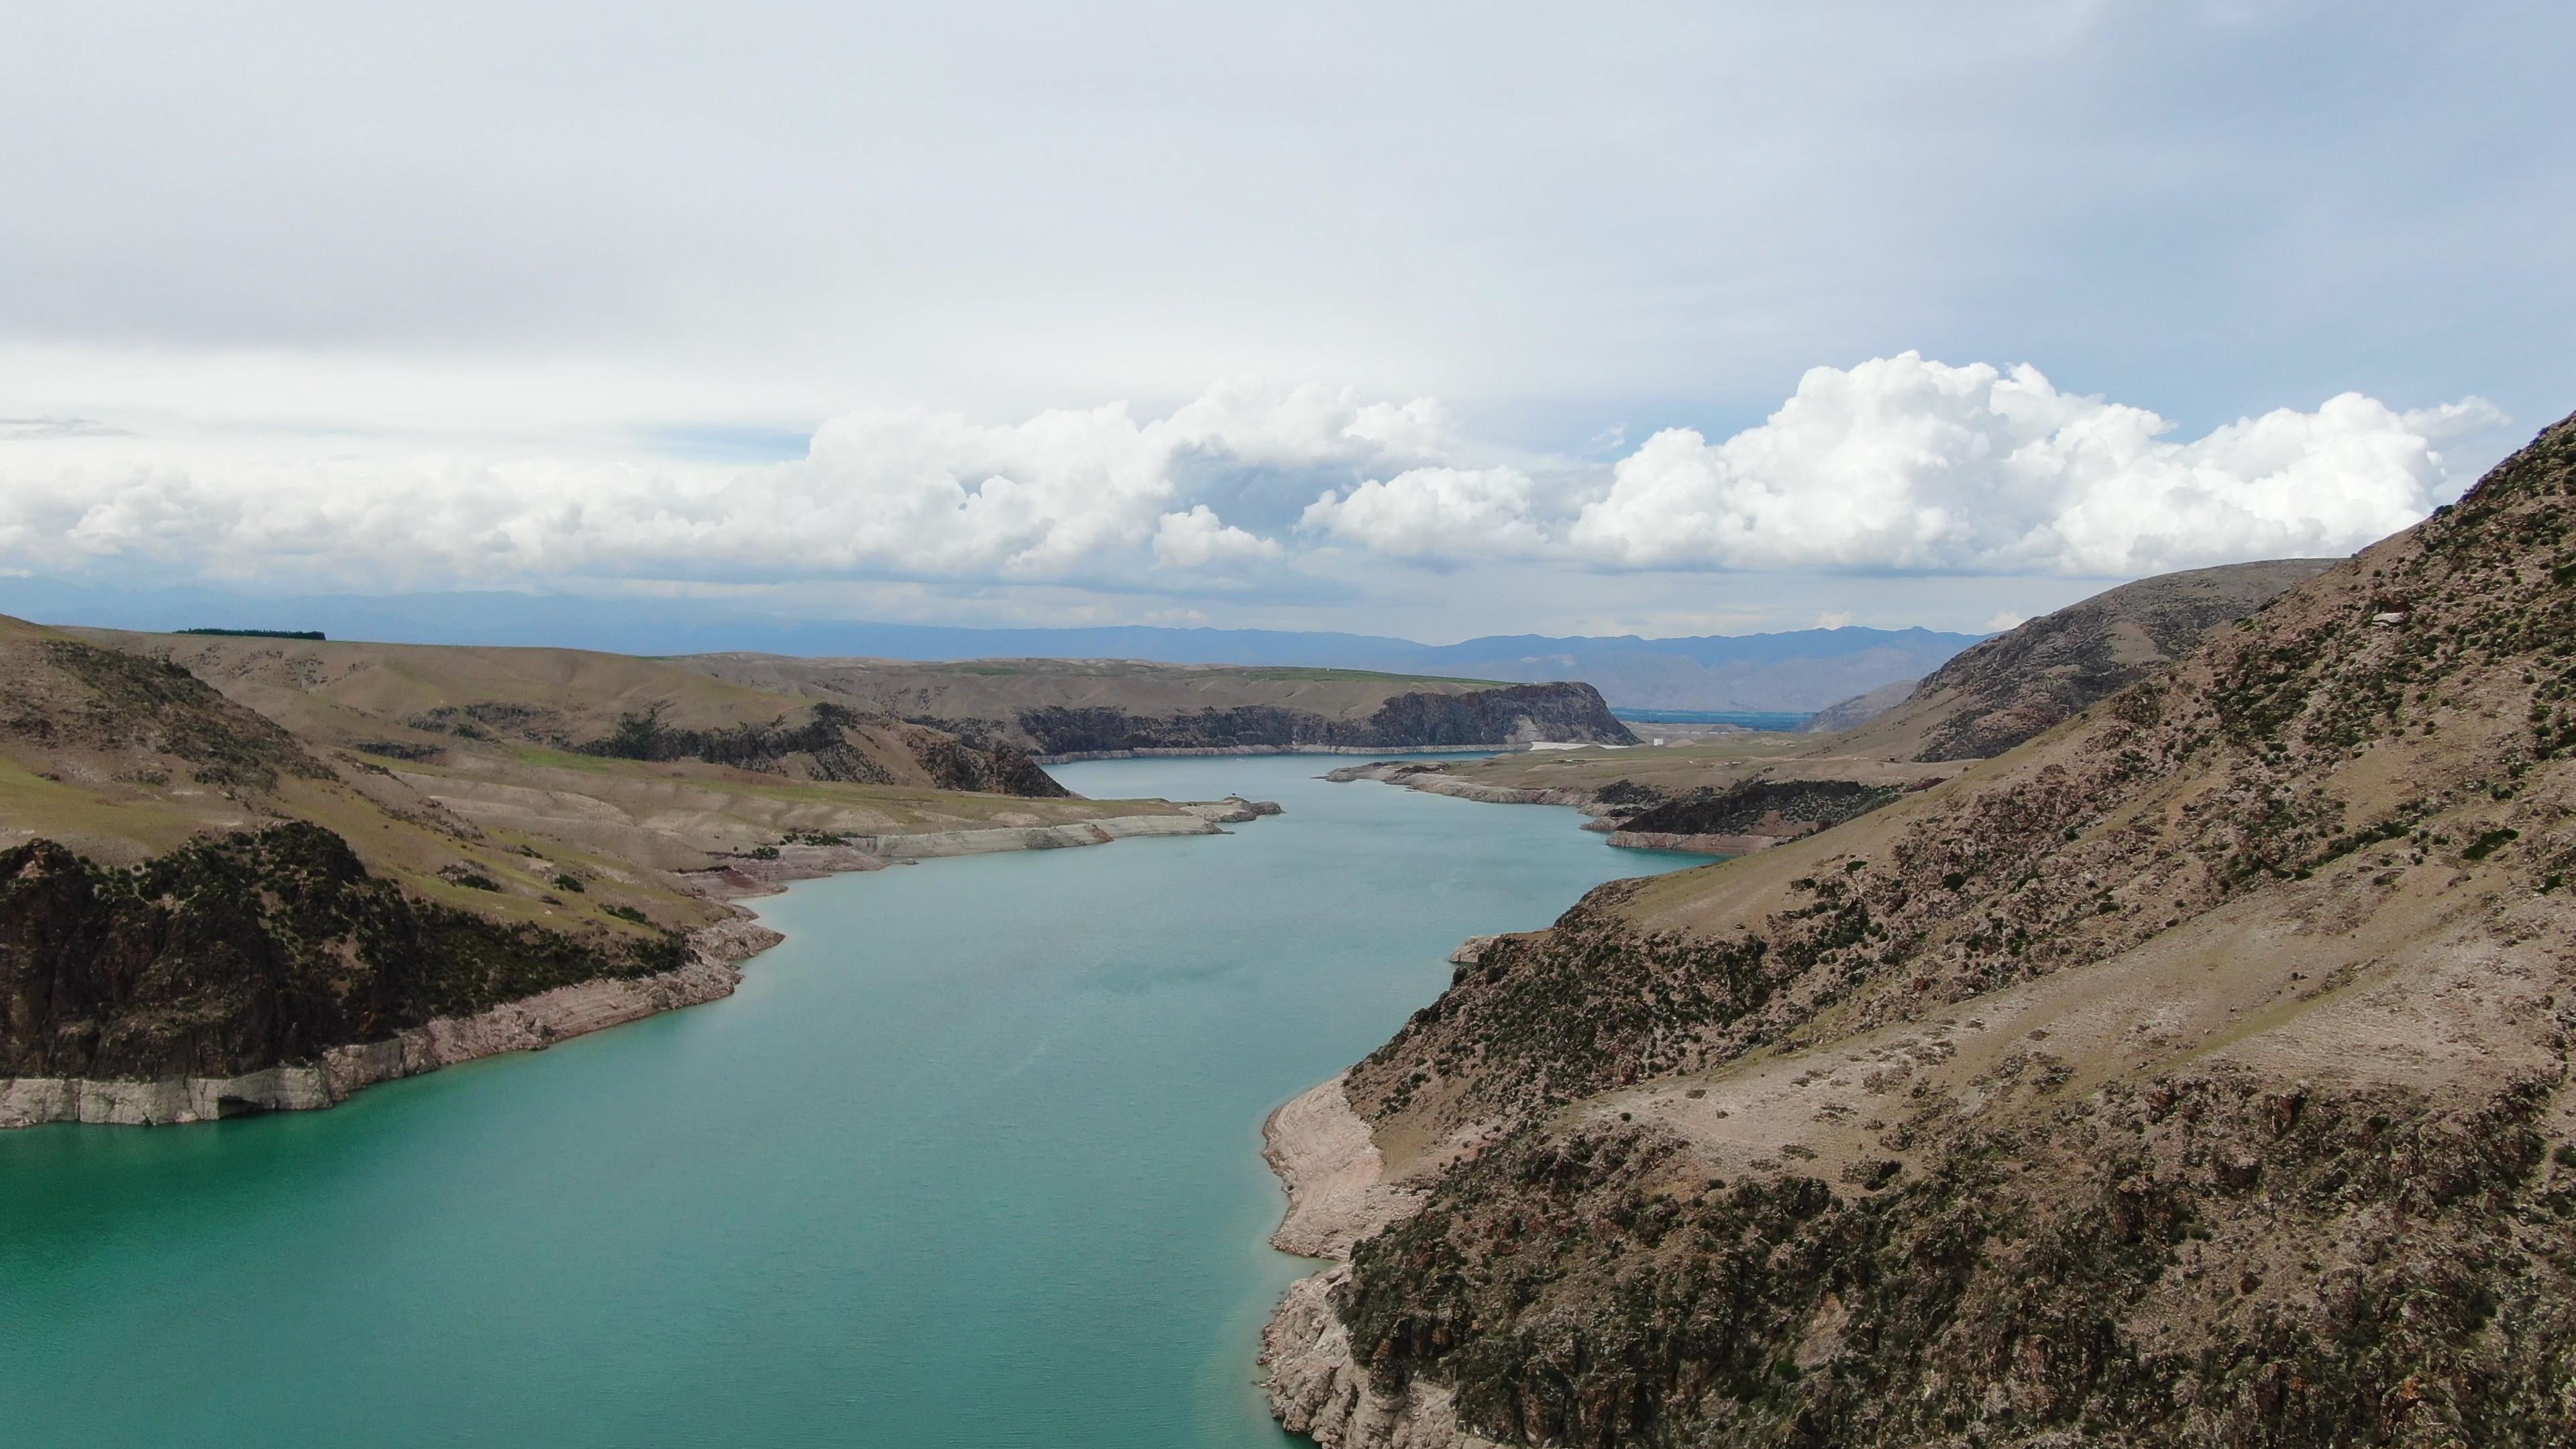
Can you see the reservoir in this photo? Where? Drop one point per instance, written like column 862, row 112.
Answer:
column 972, row 1160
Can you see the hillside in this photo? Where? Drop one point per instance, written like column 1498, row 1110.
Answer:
column 2009, row 688
column 353, row 861
column 1994, row 696
column 1057, row 709
column 2193, row 1074
column 1858, row 710
column 1796, row 671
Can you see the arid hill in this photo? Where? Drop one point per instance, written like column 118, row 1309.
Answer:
column 1998, row 693
column 1057, row 708
column 344, row 842
column 2195, row 1074
column 1988, row 699
column 1858, row 710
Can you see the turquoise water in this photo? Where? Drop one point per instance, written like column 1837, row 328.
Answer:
column 971, row 1160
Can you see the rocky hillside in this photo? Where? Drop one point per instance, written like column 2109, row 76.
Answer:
column 1858, row 710
column 2197, row 1074
column 2008, row 689
column 234, row 954
column 1089, row 707
column 1513, row 714
column 423, row 702
column 348, row 844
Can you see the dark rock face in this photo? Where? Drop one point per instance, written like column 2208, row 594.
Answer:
column 2019, row 684
column 828, row 746
column 1593, row 1290
column 227, row 956
column 1408, row 721
column 1749, row 807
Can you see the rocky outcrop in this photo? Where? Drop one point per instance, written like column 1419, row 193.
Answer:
column 1232, row 810
column 258, row 949
column 834, row 743
column 1330, row 1167
column 1755, row 815
column 1471, row 719
column 529, row 1024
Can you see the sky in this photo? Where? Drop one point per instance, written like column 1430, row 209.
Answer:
column 1433, row 321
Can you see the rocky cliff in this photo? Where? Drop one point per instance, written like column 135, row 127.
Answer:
column 2197, row 1074
column 232, row 955
column 1421, row 720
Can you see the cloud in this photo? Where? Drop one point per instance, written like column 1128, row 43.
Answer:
column 1435, row 514
column 1069, row 495
column 1895, row 466
column 1905, row 464
column 1199, row 540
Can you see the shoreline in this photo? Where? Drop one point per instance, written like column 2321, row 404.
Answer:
column 1327, row 1161
column 1603, row 817
column 533, row 1023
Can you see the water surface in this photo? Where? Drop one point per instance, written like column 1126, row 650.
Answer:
column 971, row 1160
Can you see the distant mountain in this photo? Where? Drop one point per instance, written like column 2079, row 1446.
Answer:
column 1799, row 671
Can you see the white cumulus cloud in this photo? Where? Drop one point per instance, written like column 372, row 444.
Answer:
column 1906, row 464
column 1067, row 495
column 1896, row 465
column 1198, row 539
column 1435, row 513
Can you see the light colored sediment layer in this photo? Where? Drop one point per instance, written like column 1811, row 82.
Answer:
column 1695, row 844
column 1432, row 782
column 938, row 844
column 531, row 1023
column 1176, row 752
column 1329, row 1163
column 536, row 1022
column 1232, row 810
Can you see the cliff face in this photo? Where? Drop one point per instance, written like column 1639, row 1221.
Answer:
column 2196, row 1075
column 232, row 955
column 1516, row 714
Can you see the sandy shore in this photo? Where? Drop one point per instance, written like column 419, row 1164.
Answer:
column 1330, row 1165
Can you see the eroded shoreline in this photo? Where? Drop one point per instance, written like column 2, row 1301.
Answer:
column 1328, row 1162
column 533, row 1023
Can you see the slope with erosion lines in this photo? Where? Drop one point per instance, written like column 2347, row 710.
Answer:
column 2194, row 1074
